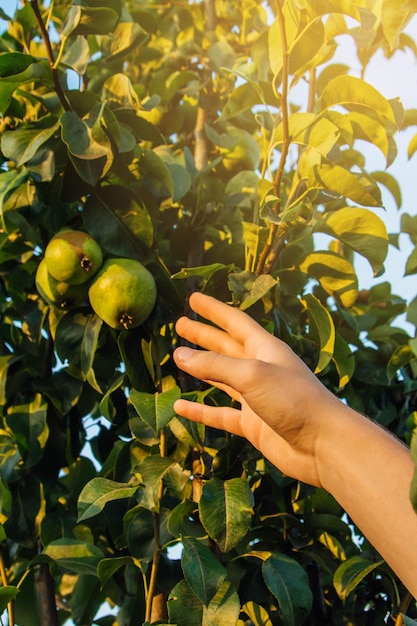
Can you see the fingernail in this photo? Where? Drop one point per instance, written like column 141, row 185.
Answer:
column 183, row 354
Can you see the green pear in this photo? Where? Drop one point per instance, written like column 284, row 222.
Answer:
column 73, row 257
column 123, row 293
column 58, row 293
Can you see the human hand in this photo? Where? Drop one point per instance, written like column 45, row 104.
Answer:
column 284, row 407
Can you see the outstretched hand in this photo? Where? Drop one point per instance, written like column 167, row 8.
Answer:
column 283, row 406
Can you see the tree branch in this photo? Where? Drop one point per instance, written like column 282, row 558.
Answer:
column 286, row 140
column 54, row 71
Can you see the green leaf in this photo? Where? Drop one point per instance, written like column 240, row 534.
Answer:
column 402, row 356
column 7, row 594
column 183, row 606
column 156, row 409
column 350, row 91
column 351, row 572
column 14, row 63
column 344, row 360
column 21, row 145
column 150, row 472
column 107, row 567
column 360, row 229
column 386, row 179
column 126, row 36
column 413, row 485
column 119, row 221
column 76, row 341
column 322, row 330
column 202, row 571
column 334, row 273
column 288, row 581
column 88, row 145
column 83, row 20
column 411, row 263
column 98, row 492
column 28, row 423
column 74, row 555
column 224, row 607
column 204, row 271
column 226, row 510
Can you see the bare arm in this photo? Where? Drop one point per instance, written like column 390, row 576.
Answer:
column 301, row 427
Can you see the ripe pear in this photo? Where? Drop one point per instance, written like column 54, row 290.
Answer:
column 58, row 293
column 123, row 293
column 244, row 155
column 73, row 257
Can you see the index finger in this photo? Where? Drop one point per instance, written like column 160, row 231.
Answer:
column 235, row 322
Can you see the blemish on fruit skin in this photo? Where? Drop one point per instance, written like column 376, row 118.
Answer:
column 86, row 264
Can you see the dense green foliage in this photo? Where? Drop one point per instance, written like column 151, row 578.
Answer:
column 220, row 144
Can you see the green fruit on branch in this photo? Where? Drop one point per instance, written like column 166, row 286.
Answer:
column 73, row 256
column 58, row 293
column 123, row 293
column 245, row 153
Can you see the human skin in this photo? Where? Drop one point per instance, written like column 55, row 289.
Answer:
column 301, row 427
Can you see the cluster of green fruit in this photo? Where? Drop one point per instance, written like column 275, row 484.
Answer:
column 73, row 272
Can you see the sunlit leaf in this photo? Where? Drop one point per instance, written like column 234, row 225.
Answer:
column 334, row 273
column 349, row 90
column 257, row 613
column 74, row 555
column 386, row 179
column 224, row 607
column 98, row 492
column 351, row 572
column 361, row 230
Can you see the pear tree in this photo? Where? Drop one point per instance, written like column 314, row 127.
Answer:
column 153, row 148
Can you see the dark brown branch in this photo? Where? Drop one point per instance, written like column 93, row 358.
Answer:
column 46, row 594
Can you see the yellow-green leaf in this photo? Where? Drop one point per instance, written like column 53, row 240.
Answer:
column 361, row 230
column 322, row 330
column 350, row 91
column 334, row 273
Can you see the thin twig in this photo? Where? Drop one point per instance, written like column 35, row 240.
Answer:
column 286, row 139
column 50, row 54
column 10, row 610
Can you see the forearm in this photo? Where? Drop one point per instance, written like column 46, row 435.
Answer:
column 369, row 472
